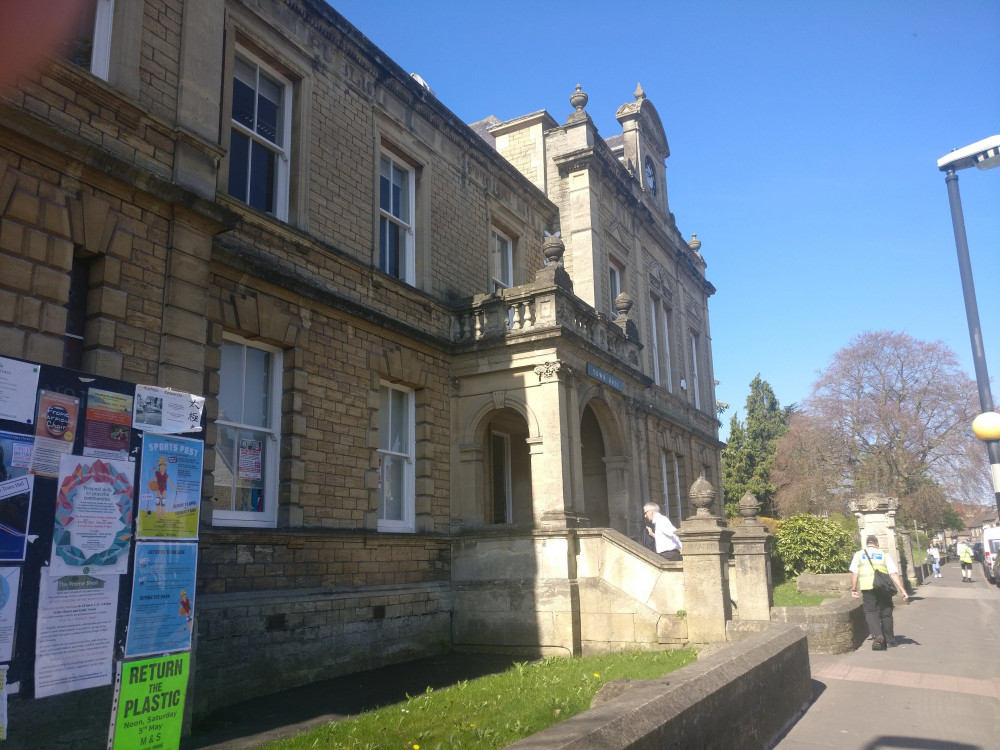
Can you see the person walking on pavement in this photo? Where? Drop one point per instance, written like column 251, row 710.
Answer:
column 934, row 558
column 877, row 605
column 964, row 552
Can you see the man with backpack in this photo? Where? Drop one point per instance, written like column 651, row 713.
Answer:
column 877, row 604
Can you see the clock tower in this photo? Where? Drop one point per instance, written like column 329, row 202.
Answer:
column 645, row 147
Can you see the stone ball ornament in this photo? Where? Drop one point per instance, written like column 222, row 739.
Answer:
column 987, row 426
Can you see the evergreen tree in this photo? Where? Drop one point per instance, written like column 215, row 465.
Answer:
column 749, row 455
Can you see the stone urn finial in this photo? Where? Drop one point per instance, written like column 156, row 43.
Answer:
column 695, row 243
column 553, row 248
column 623, row 303
column 579, row 98
column 749, row 508
column 702, row 496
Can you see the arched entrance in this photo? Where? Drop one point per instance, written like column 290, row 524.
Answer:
column 592, row 454
column 605, row 466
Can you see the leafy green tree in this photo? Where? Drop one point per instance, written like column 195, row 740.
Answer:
column 748, row 458
column 812, row 544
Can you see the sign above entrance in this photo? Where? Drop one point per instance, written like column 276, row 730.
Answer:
column 605, row 377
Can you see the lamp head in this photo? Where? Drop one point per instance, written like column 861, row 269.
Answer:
column 984, row 154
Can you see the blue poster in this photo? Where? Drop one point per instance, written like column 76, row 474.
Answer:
column 162, row 612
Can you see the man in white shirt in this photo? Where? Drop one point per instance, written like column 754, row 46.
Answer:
column 668, row 545
column 877, row 605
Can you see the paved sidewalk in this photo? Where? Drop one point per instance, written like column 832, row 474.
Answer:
column 939, row 689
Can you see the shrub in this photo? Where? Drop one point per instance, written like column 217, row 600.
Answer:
column 813, row 544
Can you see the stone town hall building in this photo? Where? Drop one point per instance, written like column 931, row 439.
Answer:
column 465, row 349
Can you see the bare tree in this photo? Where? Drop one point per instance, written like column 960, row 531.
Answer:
column 891, row 414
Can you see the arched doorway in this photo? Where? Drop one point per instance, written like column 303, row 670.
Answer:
column 595, row 484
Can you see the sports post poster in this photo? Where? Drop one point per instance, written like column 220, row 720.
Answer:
column 169, row 487
column 148, row 708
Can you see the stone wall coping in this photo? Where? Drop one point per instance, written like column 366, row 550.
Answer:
column 208, row 601
column 744, row 696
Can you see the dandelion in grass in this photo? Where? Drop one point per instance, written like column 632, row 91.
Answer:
column 596, row 675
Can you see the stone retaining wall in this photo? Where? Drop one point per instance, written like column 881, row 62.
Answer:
column 743, row 696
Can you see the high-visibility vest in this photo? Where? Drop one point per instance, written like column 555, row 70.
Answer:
column 866, row 571
column 965, row 553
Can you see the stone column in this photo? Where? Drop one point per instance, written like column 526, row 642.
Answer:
column 706, row 540
column 876, row 515
column 554, row 473
column 751, row 544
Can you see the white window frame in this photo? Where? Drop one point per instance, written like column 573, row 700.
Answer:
column 508, row 499
column 668, row 370
column 100, row 56
column 409, row 234
column 660, row 324
column 666, row 484
column 408, row 456
column 694, row 370
column 615, row 273
column 677, row 485
column 272, row 453
column 503, row 265
column 281, row 150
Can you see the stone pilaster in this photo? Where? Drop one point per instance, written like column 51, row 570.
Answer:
column 705, row 540
column 751, row 544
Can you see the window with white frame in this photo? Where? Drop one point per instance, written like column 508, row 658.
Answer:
column 694, row 371
column 614, row 285
column 260, row 137
column 677, row 485
column 89, row 44
column 502, row 260
column 671, row 474
column 249, row 437
column 396, row 210
column 396, row 448
column 660, row 324
column 500, row 477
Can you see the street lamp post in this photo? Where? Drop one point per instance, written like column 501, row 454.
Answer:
column 984, row 154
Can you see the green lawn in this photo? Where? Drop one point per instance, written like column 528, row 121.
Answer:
column 491, row 712
column 787, row 595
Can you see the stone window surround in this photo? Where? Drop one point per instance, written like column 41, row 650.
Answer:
column 271, row 471
column 259, row 317
column 392, row 141
column 248, row 36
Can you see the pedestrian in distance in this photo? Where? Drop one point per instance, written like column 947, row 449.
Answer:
column 964, row 552
column 877, row 604
column 668, row 544
column 934, row 558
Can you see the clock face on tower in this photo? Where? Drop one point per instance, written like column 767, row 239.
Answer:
column 650, row 177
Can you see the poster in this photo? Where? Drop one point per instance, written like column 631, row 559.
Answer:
column 18, row 386
column 166, row 412
column 3, row 702
column 250, row 459
column 149, row 703
column 109, row 417
column 74, row 641
column 55, row 431
column 15, row 454
column 93, row 522
column 15, row 510
column 10, row 582
column 169, row 487
column 161, row 616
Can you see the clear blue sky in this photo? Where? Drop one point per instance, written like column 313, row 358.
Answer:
column 804, row 138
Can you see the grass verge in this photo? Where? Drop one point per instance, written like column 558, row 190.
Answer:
column 491, row 712
column 787, row 595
